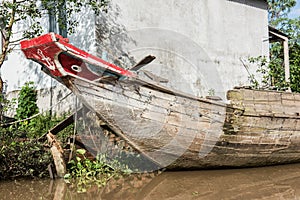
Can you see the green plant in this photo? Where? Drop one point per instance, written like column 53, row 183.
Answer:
column 278, row 17
column 262, row 68
column 6, row 106
column 279, row 10
column 22, row 148
column 295, row 67
column 41, row 124
column 22, row 154
column 27, row 101
column 21, row 157
column 272, row 74
column 86, row 172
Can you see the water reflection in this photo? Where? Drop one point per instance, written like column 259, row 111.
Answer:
column 279, row 182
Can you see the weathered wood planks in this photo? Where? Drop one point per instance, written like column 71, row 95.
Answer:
column 256, row 128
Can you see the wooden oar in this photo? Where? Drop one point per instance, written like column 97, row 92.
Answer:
column 142, row 63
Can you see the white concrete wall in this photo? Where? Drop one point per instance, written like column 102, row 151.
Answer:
column 198, row 43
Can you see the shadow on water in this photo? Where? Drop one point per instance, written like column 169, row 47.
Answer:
column 278, row 182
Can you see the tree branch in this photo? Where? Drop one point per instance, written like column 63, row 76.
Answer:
column 8, row 36
column 18, row 19
column 16, row 41
column 21, row 1
column 12, row 47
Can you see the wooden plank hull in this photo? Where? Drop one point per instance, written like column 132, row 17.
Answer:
column 192, row 134
column 173, row 129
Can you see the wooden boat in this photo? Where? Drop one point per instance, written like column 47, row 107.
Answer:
column 171, row 128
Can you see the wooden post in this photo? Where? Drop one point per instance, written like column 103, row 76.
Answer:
column 57, row 153
column 286, row 62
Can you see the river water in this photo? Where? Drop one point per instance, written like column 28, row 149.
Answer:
column 277, row 182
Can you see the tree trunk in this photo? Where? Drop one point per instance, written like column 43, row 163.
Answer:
column 1, row 99
column 1, row 86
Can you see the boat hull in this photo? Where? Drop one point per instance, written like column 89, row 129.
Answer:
column 172, row 129
column 181, row 133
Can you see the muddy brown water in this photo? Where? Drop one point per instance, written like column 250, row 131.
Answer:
column 277, row 182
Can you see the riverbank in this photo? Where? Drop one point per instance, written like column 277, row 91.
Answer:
column 27, row 152
column 22, row 156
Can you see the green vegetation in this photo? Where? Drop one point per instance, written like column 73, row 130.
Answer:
column 85, row 172
column 27, row 101
column 24, row 151
column 273, row 71
column 22, row 157
column 21, row 153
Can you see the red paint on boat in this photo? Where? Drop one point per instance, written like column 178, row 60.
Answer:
column 48, row 50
